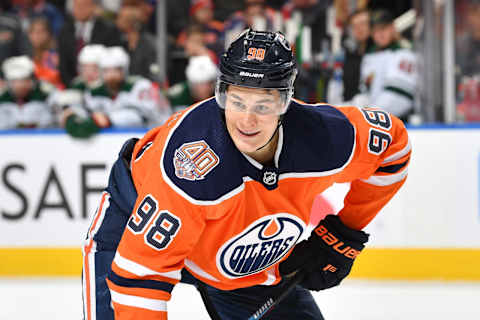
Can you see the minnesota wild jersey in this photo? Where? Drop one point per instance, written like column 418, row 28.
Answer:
column 34, row 111
column 390, row 77
column 139, row 103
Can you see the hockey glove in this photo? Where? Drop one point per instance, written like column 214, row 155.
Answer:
column 327, row 256
column 81, row 127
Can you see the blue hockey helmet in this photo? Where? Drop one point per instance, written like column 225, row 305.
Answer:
column 258, row 59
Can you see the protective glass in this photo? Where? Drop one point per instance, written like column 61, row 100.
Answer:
column 275, row 103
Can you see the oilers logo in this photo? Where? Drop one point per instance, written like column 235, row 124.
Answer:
column 194, row 160
column 262, row 244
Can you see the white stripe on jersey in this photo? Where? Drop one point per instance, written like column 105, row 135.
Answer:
column 91, row 280
column 271, row 277
column 139, row 302
column 199, row 271
column 142, row 271
column 387, row 180
column 97, row 219
column 399, row 154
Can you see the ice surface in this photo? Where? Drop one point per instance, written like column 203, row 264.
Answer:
column 52, row 299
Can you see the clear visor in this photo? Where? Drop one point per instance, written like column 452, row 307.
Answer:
column 260, row 101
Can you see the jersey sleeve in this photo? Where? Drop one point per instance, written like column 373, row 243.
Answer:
column 160, row 233
column 379, row 166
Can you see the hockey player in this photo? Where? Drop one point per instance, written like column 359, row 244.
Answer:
column 89, row 75
column 74, row 116
column 119, row 100
column 123, row 101
column 25, row 102
column 223, row 191
column 389, row 72
column 201, row 74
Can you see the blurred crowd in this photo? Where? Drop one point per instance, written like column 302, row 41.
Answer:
column 90, row 64
column 468, row 60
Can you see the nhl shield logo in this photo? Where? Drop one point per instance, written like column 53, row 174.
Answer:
column 270, row 178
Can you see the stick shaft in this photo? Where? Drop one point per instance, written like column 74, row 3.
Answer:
column 274, row 300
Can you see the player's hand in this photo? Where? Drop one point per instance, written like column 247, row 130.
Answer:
column 327, row 255
column 101, row 119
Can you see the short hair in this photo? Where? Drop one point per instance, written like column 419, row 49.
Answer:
column 356, row 13
column 42, row 19
column 381, row 16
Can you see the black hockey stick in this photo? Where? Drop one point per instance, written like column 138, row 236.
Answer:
column 322, row 209
column 275, row 299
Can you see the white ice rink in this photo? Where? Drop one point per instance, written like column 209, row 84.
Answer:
column 60, row 299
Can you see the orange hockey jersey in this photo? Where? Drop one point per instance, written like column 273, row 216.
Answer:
column 204, row 206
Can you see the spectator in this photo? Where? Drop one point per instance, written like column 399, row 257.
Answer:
column 79, row 30
column 26, row 102
column 178, row 56
column 201, row 73
column 195, row 43
column 255, row 15
column 306, row 29
column 201, row 13
column 45, row 56
column 468, row 45
column 13, row 41
column 356, row 45
column 225, row 8
column 314, row 15
column 389, row 71
column 27, row 10
column 140, row 44
column 177, row 17
column 468, row 65
column 147, row 13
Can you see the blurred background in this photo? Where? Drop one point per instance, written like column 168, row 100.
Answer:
column 79, row 77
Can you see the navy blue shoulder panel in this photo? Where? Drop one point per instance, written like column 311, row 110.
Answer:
column 200, row 158
column 317, row 138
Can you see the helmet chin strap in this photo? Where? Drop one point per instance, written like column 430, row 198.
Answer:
column 273, row 135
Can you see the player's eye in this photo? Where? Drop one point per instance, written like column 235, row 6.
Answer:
column 263, row 109
column 239, row 106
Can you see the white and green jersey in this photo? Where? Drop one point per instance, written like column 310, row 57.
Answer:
column 35, row 111
column 390, row 78
column 139, row 103
column 79, row 84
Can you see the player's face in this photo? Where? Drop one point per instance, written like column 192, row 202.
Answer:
column 204, row 15
column 113, row 77
column 89, row 72
column 360, row 26
column 251, row 116
column 20, row 88
column 83, row 9
column 202, row 90
column 383, row 35
column 38, row 34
